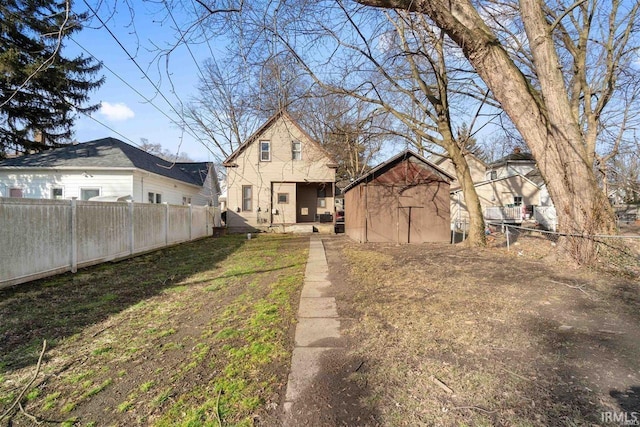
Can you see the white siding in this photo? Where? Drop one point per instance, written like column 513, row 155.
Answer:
column 39, row 184
column 172, row 190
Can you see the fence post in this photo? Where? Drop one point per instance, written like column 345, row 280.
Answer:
column 190, row 222
column 166, row 224
column 74, row 236
column 507, row 234
column 131, row 229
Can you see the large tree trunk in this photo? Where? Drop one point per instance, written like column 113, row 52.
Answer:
column 476, row 235
column 544, row 119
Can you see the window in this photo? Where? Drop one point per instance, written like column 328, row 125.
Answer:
column 87, row 193
column 265, row 151
column 517, row 200
column 15, row 192
column 56, row 193
column 186, row 200
column 283, row 198
column 493, row 175
column 247, row 191
column 154, row 197
column 296, row 150
column 322, row 193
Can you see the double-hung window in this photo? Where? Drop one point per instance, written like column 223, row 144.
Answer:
column 296, row 150
column 247, row 195
column 265, row 151
column 154, row 197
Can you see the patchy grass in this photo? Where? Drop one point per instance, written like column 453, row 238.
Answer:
column 184, row 336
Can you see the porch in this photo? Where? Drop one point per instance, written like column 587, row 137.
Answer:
column 512, row 214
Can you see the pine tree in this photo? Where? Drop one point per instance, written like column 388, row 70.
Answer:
column 41, row 91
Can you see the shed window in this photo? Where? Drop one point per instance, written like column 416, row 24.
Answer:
column 87, row 193
column 265, row 151
column 247, row 196
column 296, row 150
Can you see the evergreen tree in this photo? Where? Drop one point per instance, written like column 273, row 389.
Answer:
column 41, row 91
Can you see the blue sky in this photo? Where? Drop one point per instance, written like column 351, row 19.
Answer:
column 127, row 113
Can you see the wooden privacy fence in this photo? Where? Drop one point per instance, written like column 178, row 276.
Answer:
column 40, row 238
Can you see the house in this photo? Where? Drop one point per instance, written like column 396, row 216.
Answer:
column 110, row 170
column 403, row 200
column 508, row 188
column 280, row 179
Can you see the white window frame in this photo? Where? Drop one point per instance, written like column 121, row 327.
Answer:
column 515, row 202
column 98, row 189
column 296, row 150
column 154, row 198
column 267, row 157
column 61, row 193
column 247, row 202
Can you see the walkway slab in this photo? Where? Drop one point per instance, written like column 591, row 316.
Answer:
column 318, row 307
column 305, row 364
column 318, row 333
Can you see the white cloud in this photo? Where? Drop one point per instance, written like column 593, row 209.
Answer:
column 116, row 112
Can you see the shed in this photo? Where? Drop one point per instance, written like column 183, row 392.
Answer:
column 403, row 200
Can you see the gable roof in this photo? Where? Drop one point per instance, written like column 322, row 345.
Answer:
column 385, row 166
column 280, row 114
column 110, row 153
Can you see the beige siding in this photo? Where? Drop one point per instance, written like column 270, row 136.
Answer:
column 278, row 172
column 476, row 167
column 497, row 193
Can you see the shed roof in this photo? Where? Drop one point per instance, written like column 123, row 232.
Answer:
column 385, row 166
column 110, row 153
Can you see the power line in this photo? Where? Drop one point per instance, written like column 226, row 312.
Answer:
column 144, row 73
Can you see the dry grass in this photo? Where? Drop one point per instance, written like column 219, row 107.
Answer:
column 517, row 340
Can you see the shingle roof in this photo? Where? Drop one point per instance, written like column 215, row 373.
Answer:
column 110, row 153
column 514, row 157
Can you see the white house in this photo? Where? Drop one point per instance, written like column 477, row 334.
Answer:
column 107, row 169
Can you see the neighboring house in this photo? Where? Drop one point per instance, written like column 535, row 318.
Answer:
column 107, row 169
column 508, row 188
column 279, row 177
column 403, row 200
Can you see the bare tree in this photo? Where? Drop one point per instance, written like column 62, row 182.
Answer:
column 544, row 113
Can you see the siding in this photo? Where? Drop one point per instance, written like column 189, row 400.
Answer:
column 38, row 185
column 281, row 169
column 172, row 191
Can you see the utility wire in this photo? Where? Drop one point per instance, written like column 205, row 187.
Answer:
column 144, row 73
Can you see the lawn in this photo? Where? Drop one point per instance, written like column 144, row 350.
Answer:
column 198, row 334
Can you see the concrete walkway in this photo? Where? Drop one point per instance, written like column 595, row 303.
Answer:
column 318, row 329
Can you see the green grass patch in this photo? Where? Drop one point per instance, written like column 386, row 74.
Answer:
column 145, row 387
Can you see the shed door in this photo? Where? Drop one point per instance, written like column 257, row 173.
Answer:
column 410, row 224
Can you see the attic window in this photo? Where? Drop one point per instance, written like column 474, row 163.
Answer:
column 296, row 150
column 265, row 151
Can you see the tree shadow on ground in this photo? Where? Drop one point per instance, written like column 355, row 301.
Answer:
column 58, row 307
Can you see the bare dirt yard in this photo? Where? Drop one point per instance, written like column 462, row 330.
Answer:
column 443, row 335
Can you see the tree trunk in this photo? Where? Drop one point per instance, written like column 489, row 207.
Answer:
column 549, row 129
